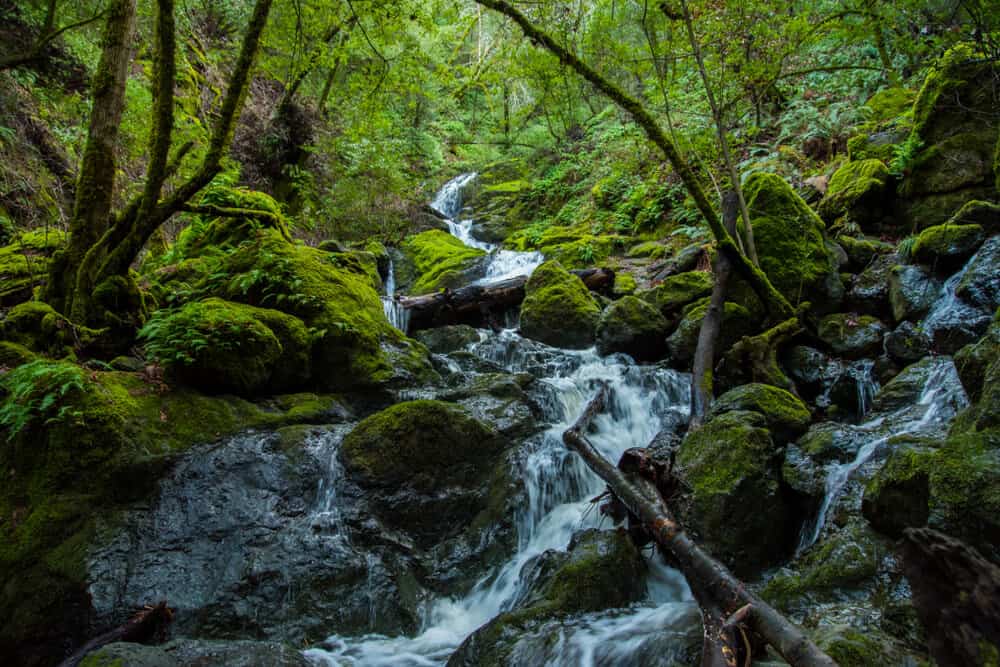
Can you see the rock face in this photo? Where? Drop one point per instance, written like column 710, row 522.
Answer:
column 558, row 309
column 955, row 126
column 409, row 452
column 912, row 292
column 907, row 344
column 857, row 191
column 634, row 327
column 791, row 243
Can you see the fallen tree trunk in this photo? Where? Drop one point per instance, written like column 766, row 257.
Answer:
column 479, row 305
column 730, row 613
column 147, row 626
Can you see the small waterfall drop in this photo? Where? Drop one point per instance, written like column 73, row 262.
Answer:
column 398, row 316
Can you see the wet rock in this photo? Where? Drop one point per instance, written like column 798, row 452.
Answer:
column 685, row 260
column 786, row 416
column 868, row 291
column 898, row 496
column 407, row 454
column 906, row 387
column 804, row 476
column 861, row 251
column 830, row 441
column 980, row 286
column 737, row 507
column 558, row 309
column 907, row 343
column 851, row 335
column 806, row 365
column 443, row 340
column 498, row 399
column 634, row 327
column 912, row 292
column 973, row 360
column 200, row 653
column 945, row 248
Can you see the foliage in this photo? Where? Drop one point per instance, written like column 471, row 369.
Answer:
column 36, row 392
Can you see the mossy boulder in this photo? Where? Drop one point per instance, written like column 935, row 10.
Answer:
column 38, row 327
column 791, row 243
column 946, row 247
column 575, row 247
column 787, row 417
column 13, row 355
column 737, row 322
column 852, row 335
column 221, row 346
column 439, row 260
column 601, row 570
column 632, row 326
column 858, row 190
column 558, row 309
column 737, row 506
column 907, row 343
column 427, row 465
column 678, row 290
column 24, row 264
column 861, row 251
column 956, row 127
column 625, row 284
column 443, row 340
column 986, row 214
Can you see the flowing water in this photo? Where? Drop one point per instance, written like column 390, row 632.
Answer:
column 558, row 485
column 398, row 316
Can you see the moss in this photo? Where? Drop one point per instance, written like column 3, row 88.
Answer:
column 858, row 190
column 558, row 308
column 13, row 355
column 38, row 327
column 784, row 413
column 790, row 240
column 24, row 264
column 360, row 262
column 976, row 212
column 854, row 648
column 861, row 252
column 650, row 249
column 440, row 260
column 632, row 326
column 737, row 322
column 573, row 247
column 230, row 231
column 947, row 246
column 890, row 103
column 624, row 284
column 851, row 335
column 678, row 290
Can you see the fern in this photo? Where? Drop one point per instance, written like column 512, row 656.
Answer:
column 36, row 392
column 904, row 155
column 905, row 248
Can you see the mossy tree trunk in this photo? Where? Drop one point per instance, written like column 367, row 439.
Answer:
column 776, row 304
column 103, row 244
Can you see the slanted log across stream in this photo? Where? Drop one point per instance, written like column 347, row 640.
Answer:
column 730, row 613
column 483, row 305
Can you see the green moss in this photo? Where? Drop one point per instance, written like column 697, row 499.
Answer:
column 947, row 245
column 783, row 412
column 890, row 103
column 650, row 249
column 25, row 263
column 573, row 247
column 229, row 231
column 854, row 648
column 737, row 322
column 624, row 284
column 851, row 335
column 632, row 326
column 38, row 327
column 790, row 240
column 678, row 290
column 440, row 260
column 558, row 308
column 13, row 355
column 858, row 190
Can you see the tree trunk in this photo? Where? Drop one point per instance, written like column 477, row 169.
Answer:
column 776, row 304
column 704, row 354
column 483, row 305
column 729, row 610
column 149, row 625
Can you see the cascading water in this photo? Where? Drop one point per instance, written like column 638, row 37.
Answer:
column 398, row 316
column 558, row 485
column 500, row 264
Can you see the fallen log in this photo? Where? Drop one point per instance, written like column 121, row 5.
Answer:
column 730, row 613
column 146, row 627
column 483, row 305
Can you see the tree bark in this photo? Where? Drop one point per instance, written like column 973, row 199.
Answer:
column 147, row 626
column 480, row 305
column 704, row 354
column 776, row 304
column 726, row 603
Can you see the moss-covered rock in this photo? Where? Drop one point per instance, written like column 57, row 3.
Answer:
column 791, row 243
column 678, row 290
column 955, row 126
column 787, row 417
column 13, row 355
column 431, row 463
column 850, row 647
column 440, row 260
column 946, row 247
column 632, row 326
column 907, row 343
column 24, row 263
column 851, row 335
column 574, row 247
column 912, row 292
column 736, row 505
column 625, row 284
column 861, row 251
column 558, row 309
column 858, row 190
column 737, row 322
column 220, row 346
column 443, row 340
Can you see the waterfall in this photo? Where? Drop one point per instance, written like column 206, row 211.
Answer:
column 398, row 316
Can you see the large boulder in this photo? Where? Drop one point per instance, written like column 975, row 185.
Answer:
column 737, row 506
column 786, row 415
column 220, row 346
column 980, row 286
column 632, row 326
column 439, row 260
column 558, row 309
column 851, row 335
column 912, row 292
column 953, row 139
column 737, row 322
column 858, row 190
column 677, row 291
column 427, row 464
column 946, row 247
column 791, row 243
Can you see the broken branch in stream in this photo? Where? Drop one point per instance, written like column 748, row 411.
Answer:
column 730, row 613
